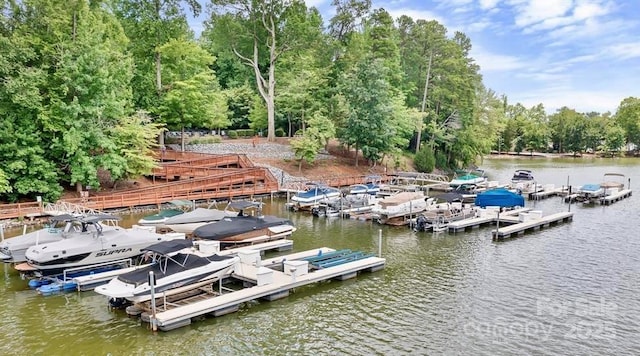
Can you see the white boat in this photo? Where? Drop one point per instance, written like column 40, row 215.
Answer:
column 398, row 209
column 186, row 223
column 175, row 207
column 177, row 268
column 468, row 179
column 589, row 193
column 441, row 215
column 245, row 228
column 12, row 250
column 314, row 195
column 612, row 183
column 522, row 175
column 345, row 206
column 99, row 245
column 371, row 186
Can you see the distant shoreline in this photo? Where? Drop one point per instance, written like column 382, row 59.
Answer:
column 510, row 155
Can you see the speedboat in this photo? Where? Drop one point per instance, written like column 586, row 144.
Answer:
column 176, row 207
column 176, row 268
column 523, row 182
column 371, row 186
column 245, row 228
column 314, row 195
column 97, row 244
column 522, row 175
column 186, row 223
column 468, row 179
column 13, row 250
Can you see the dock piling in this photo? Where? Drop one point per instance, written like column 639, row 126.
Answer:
column 379, row 242
column 152, row 285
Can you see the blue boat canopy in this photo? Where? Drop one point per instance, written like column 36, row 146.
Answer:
column 499, row 197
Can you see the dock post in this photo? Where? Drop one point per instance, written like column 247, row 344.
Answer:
column 152, row 285
column 24, row 229
column 1, row 232
column 379, row 242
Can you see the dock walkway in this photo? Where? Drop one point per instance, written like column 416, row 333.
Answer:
column 610, row 199
column 531, row 225
column 268, row 283
column 462, row 225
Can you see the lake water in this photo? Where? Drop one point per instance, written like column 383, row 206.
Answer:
column 567, row 289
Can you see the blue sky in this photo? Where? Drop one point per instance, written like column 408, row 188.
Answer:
column 583, row 54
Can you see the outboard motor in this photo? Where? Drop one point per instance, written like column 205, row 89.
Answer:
column 421, row 223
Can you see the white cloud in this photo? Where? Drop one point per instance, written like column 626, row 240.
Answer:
column 415, row 14
column 489, row 62
column 488, row 4
column 624, row 50
column 582, row 101
column 316, row 3
column 535, row 11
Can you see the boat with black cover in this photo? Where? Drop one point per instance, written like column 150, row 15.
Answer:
column 246, row 228
column 177, row 268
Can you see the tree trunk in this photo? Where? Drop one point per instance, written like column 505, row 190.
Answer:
column 271, row 107
column 356, row 147
column 424, row 103
column 182, row 139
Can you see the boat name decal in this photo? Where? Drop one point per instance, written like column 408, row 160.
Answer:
column 106, row 253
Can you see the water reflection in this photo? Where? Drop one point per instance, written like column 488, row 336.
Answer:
column 568, row 289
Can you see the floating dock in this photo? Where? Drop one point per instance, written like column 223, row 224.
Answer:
column 91, row 281
column 487, row 217
column 606, row 200
column 610, row 199
column 547, row 192
column 262, row 280
column 533, row 224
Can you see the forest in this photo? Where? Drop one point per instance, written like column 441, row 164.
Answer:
column 90, row 86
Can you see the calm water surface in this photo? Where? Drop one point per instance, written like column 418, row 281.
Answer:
column 569, row 289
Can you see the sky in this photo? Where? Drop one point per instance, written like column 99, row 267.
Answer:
column 582, row 54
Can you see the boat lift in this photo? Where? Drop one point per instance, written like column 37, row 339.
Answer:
column 335, row 258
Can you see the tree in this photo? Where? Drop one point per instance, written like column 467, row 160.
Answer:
column 348, row 16
column 134, row 138
column 192, row 96
column 305, row 148
column 628, row 118
column 280, row 24
column 151, row 23
column 568, row 129
column 369, row 126
column 614, row 138
column 5, row 187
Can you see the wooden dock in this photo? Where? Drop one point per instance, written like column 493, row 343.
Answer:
column 266, row 283
column 531, row 225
